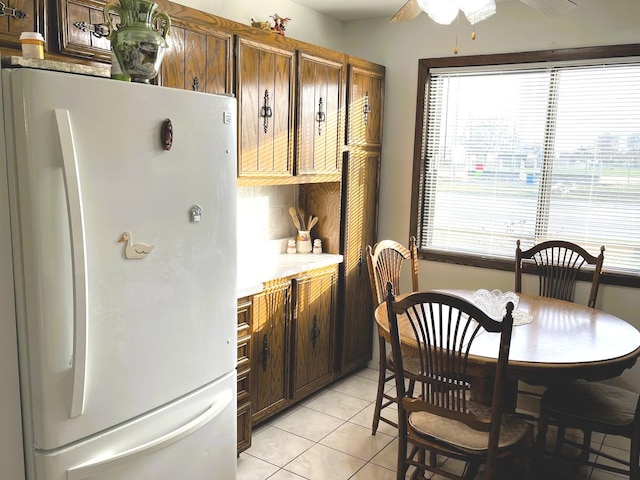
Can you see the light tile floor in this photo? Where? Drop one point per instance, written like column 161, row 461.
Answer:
column 328, row 437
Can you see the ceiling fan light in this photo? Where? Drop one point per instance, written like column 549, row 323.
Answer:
column 477, row 10
column 440, row 11
column 479, row 15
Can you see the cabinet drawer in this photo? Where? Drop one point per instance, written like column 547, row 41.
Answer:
column 244, row 312
column 243, row 356
column 244, row 334
column 244, row 427
column 244, row 383
column 244, row 342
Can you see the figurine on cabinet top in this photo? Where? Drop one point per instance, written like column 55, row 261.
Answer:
column 280, row 24
column 261, row 25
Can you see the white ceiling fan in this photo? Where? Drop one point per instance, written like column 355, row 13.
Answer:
column 445, row 11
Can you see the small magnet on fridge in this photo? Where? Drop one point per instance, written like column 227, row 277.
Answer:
column 166, row 134
column 196, row 213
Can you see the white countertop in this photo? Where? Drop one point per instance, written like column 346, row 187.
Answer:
column 278, row 266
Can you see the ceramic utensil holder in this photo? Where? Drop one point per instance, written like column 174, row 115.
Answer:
column 303, row 242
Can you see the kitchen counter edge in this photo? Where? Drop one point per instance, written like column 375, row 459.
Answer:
column 284, row 265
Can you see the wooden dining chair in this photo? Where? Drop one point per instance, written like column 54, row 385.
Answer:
column 592, row 407
column 439, row 416
column 385, row 260
column 558, row 264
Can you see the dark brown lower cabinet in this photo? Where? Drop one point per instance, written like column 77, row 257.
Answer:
column 292, row 340
column 270, row 349
column 313, row 331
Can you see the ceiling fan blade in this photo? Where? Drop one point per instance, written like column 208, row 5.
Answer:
column 551, row 8
column 409, row 11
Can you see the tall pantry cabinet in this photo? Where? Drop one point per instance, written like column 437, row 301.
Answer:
column 361, row 171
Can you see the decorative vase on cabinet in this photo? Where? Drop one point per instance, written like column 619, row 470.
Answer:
column 138, row 47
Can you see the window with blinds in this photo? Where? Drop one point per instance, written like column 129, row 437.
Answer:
column 532, row 152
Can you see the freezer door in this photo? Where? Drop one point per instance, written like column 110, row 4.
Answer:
column 192, row 439
column 113, row 329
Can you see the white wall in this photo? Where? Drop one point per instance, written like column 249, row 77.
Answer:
column 306, row 24
column 515, row 27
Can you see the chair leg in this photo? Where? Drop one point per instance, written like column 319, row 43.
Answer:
column 382, row 375
column 402, row 465
column 585, row 451
column 529, row 455
column 541, row 437
column 634, row 461
column 560, row 439
column 470, row 470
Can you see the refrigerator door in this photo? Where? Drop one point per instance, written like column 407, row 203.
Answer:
column 11, row 453
column 108, row 331
column 193, row 438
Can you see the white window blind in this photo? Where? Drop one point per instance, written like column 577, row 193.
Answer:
column 533, row 153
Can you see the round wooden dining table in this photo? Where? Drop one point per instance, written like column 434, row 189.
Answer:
column 562, row 341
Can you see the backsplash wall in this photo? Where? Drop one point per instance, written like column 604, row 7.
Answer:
column 263, row 215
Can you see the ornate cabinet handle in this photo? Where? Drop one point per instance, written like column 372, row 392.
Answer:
column 11, row 12
column 196, row 84
column 266, row 112
column 320, row 116
column 366, row 110
column 361, row 260
column 98, row 30
column 266, row 353
column 315, row 331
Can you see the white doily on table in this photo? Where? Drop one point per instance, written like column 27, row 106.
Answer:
column 520, row 317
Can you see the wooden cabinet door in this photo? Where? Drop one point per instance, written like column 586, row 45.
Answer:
column 319, row 119
column 361, row 211
column 198, row 60
column 365, row 105
column 313, row 331
column 20, row 16
column 269, row 349
column 265, row 91
column 82, row 29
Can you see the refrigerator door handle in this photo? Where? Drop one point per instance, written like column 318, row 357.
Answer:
column 78, row 257
column 94, row 469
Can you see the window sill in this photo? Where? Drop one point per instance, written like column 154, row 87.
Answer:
column 506, row 264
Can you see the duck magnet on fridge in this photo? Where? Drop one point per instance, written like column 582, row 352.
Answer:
column 133, row 251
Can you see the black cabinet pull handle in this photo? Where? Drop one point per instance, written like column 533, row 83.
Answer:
column 320, row 116
column 366, row 110
column 196, row 84
column 315, row 331
column 266, row 353
column 98, row 30
column 11, row 12
column 266, row 111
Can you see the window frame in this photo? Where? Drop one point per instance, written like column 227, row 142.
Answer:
column 506, row 59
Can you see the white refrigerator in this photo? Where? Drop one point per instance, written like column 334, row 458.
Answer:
column 118, row 286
